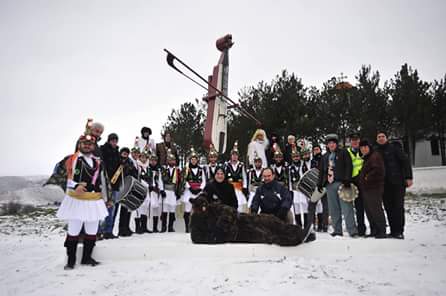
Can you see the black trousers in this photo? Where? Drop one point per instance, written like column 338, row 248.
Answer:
column 373, row 208
column 325, row 214
column 359, row 209
column 393, row 199
column 124, row 220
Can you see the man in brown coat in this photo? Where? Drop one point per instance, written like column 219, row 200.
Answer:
column 161, row 149
column 371, row 183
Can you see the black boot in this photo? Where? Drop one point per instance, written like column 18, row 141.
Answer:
column 186, row 221
column 319, row 222
column 298, row 220
column 124, row 221
column 71, row 245
column 144, row 224
column 155, row 224
column 163, row 222
column 309, row 233
column 306, row 220
column 171, row 221
column 138, row 226
column 89, row 243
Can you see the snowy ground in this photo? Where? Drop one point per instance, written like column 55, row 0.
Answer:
column 32, row 255
column 32, row 259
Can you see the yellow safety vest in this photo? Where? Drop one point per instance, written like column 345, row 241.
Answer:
column 357, row 162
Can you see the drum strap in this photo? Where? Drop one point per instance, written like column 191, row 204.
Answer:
column 117, row 174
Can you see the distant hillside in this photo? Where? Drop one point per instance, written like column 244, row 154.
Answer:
column 28, row 190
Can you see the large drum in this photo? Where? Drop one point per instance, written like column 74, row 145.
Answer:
column 308, row 185
column 132, row 194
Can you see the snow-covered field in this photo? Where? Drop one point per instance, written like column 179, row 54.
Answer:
column 32, row 258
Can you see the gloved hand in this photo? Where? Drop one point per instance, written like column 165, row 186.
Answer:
column 163, row 194
column 346, row 184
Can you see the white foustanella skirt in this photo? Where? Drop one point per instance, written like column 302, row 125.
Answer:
column 83, row 210
column 300, row 202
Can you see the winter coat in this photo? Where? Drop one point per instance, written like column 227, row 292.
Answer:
column 397, row 164
column 112, row 160
column 222, row 192
column 316, row 160
column 161, row 152
column 373, row 172
column 272, row 198
column 343, row 167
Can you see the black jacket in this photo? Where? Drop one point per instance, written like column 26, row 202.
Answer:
column 272, row 198
column 343, row 167
column 111, row 159
column 128, row 170
column 397, row 164
column 221, row 192
column 316, row 160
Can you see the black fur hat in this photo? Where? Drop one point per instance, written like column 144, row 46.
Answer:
column 146, row 130
column 124, row 149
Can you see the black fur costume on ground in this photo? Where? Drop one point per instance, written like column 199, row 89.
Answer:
column 216, row 223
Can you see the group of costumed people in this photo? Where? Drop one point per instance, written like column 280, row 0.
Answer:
column 268, row 184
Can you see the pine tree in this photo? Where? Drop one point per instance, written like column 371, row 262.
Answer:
column 374, row 105
column 410, row 107
column 187, row 126
column 438, row 101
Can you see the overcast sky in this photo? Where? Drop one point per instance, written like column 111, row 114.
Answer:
column 62, row 62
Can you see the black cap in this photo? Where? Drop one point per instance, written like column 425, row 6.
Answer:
column 112, row 136
column 331, row 137
column 354, row 135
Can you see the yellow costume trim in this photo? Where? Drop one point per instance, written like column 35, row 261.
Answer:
column 85, row 195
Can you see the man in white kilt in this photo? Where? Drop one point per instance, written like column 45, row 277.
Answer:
column 83, row 204
column 280, row 166
column 300, row 201
column 144, row 175
column 156, row 191
column 255, row 178
column 212, row 165
column 236, row 175
column 171, row 176
column 195, row 180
